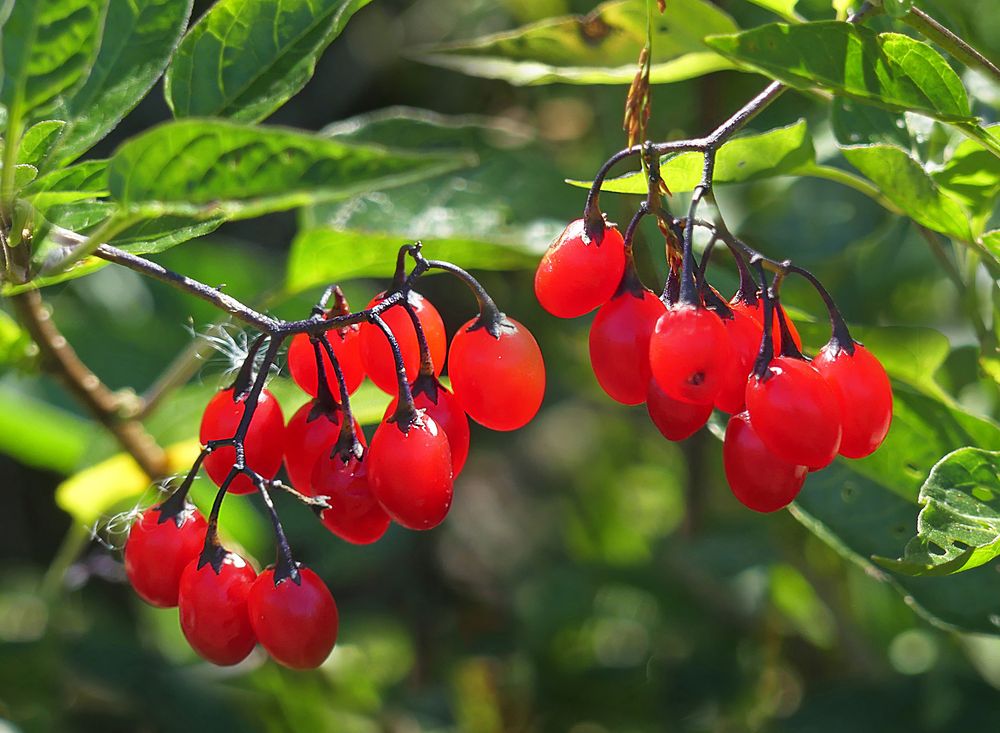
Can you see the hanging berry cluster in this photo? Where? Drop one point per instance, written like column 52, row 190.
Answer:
column 173, row 556
column 689, row 350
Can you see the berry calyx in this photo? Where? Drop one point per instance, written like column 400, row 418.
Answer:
column 578, row 274
column 410, row 473
column 346, row 345
column 354, row 514
column 295, row 622
column 674, row 419
column 213, row 609
column 619, row 344
column 759, row 479
column 795, row 412
column 310, row 435
column 688, row 354
column 498, row 380
column 439, row 403
column 376, row 355
column 157, row 551
column 865, row 395
column 264, row 443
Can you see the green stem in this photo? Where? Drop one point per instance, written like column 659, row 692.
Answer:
column 12, row 142
column 950, row 42
column 981, row 136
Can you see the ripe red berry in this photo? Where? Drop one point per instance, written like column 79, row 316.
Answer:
column 865, row 395
column 757, row 313
column 410, row 473
column 346, row 343
column 156, row 553
column 758, row 478
column 577, row 275
column 376, row 355
column 744, row 338
column 213, row 609
column 674, row 419
column 795, row 412
column 619, row 344
column 355, row 514
column 264, row 444
column 307, row 440
column 296, row 623
column 499, row 382
column 689, row 353
column 449, row 416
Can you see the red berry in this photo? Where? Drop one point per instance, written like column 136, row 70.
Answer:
column 577, row 275
column 449, row 416
column 156, row 553
column 296, row 623
column 795, row 412
column 689, row 353
column 865, row 396
column 307, row 440
column 499, row 382
column 757, row 312
column 213, row 609
column 676, row 420
column 355, row 514
column 758, row 478
column 619, row 344
column 346, row 343
column 410, row 473
column 264, row 444
column 376, row 355
column 744, row 338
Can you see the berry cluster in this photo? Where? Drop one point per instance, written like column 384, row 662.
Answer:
column 173, row 556
column 689, row 351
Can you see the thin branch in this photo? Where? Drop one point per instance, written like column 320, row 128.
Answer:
column 953, row 44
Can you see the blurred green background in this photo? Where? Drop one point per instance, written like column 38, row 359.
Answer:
column 591, row 577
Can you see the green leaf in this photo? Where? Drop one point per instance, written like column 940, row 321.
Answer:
column 599, row 48
column 858, row 123
column 991, row 240
column 971, row 174
column 959, row 525
column 888, row 69
column 779, row 152
column 498, row 214
column 38, row 141
column 48, row 48
column 40, row 435
column 139, row 37
column 212, row 169
column 784, row 8
column 897, row 8
column 13, row 340
column 904, row 181
column 245, row 58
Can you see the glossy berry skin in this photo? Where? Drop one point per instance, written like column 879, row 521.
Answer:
column 306, row 441
column 265, row 439
column 757, row 312
column 865, row 395
column 689, row 352
column 674, row 419
column 213, row 609
column 796, row 413
column 576, row 275
column 450, row 417
column 355, row 514
column 376, row 355
column 498, row 382
column 410, row 473
column 744, row 339
column 758, row 478
column 619, row 344
column 296, row 623
column 156, row 553
column 346, row 344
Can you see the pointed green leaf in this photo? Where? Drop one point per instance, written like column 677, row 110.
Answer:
column 38, row 141
column 971, row 174
column 779, row 152
column 245, row 58
column 784, row 8
column 139, row 37
column 599, row 48
column 959, row 525
column 212, row 169
column 905, row 182
column 48, row 47
column 888, row 69
column 857, row 123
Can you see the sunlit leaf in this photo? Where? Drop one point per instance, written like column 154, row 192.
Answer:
column 41, row 435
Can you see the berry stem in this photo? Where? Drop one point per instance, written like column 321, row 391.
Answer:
column 324, row 396
column 213, row 553
column 347, row 445
column 173, row 506
column 766, row 352
column 689, row 295
column 490, row 316
column 286, row 567
column 406, row 414
column 840, row 337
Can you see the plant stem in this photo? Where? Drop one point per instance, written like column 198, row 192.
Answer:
column 958, row 47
